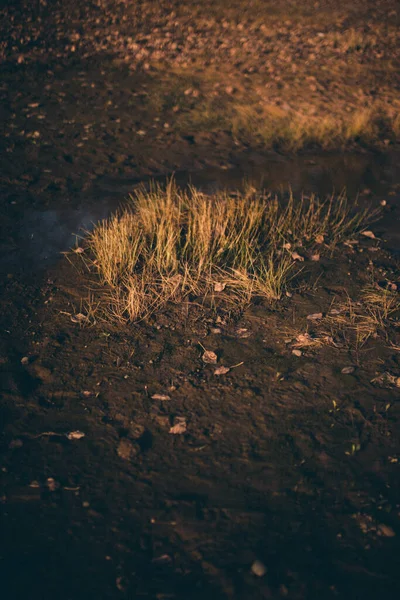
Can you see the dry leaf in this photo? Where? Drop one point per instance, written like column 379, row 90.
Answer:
column 319, row 239
column 75, row 435
column 287, row 246
column 347, row 370
column 209, row 357
column 179, row 427
column 297, row 352
column 296, row 256
column 25, row 360
column 162, row 397
column 315, row 316
column 369, row 234
column 79, row 250
column 221, row 371
column 219, row 286
column 315, row 257
column 385, row 530
column 243, row 333
column 78, row 318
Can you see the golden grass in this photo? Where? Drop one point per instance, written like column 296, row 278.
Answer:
column 168, row 244
column 367, row 317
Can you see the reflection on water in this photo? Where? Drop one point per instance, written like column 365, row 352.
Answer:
column 42, row 235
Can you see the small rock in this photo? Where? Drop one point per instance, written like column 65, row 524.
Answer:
column 319, row 239
column 75, row 435
column 258, row 568
column 315, row 316
column 219, row 286
column 126, row 450
column 25, row 360
column 297, row 352
column 209, row 357
column 162, row 397
column 179, row 427
column 347, row 370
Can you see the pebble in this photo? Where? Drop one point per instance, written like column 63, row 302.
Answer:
column 258, row 568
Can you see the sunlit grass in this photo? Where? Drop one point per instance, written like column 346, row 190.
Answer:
column 364, row 318
column 169, row 244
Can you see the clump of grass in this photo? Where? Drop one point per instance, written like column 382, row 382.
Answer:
column 369, row 316
column 168, row 244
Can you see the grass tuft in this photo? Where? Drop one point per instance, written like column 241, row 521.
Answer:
column 169, row 244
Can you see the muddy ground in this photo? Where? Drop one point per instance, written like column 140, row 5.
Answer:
column 285, row 483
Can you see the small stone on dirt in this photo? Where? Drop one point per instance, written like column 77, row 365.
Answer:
column 179, row 427
column 126, row 450
column 347, row 370
column 315, row 316
column 75, row 435
column 258, row 568
column 25, row 360
column 297, row 352
column 162, row 397
column 209, row 357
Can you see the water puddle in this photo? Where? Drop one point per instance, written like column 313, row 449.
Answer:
column 42, row 235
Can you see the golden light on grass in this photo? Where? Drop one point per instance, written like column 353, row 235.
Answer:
column 169, row 244
column 366, row 317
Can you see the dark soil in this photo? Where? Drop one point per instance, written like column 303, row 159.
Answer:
column 285, row 460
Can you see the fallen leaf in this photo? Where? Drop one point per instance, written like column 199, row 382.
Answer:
column 315, row 257
column 319, row 239
column 315, row 316
column 296, row 256
column 75, row 435
column 347, row 370
column 369, row 234
column 79, row 250
column 162, row 397
column 78, row 318
column 179, row 427
column 219, row 286
column 287, row 246
column 209, row 357
column 25, row 360
column 221, row 371
column 385, row 530
column 297, row 352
